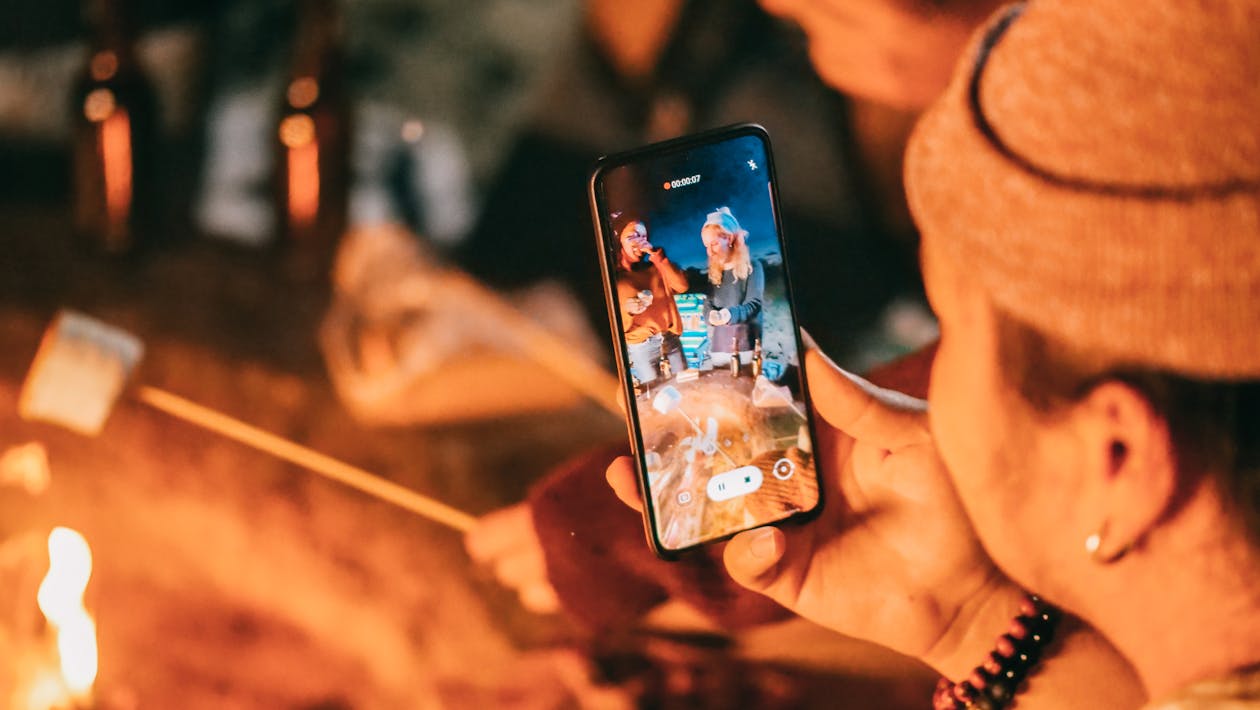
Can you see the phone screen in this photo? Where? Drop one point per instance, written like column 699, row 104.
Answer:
column 701, row 308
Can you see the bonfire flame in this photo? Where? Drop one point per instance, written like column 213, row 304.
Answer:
column 61, row 600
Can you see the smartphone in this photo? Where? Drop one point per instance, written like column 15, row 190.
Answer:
column 706, row 337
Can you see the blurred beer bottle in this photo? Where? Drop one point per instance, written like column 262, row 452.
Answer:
column 313, row 142
column 114, row 123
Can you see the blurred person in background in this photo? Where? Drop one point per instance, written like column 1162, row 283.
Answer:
column 648, row 71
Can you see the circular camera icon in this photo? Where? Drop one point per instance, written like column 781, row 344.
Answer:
column 783, row 469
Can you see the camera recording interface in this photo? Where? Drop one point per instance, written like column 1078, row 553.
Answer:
column 709, row 342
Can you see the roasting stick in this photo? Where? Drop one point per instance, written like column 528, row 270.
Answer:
column 83, row 366
column 582, row 373
column 314, row 461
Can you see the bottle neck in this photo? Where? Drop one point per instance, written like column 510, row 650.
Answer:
column 109, row 23
column 111, row 37
column 318, row 44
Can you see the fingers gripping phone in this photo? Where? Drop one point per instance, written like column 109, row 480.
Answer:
column 705, row 333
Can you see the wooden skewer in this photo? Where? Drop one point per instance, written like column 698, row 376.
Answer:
column 321, row 464
column 549, row 351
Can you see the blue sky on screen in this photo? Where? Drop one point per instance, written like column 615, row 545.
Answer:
column 674, row 217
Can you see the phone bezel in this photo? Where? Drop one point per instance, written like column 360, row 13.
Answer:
column 606, row 248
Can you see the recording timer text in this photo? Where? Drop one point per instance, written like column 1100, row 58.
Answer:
column 681, row 182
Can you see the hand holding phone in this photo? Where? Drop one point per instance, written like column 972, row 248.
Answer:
column 713, row 458
column 898, row 562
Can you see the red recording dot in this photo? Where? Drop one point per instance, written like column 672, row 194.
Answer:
column 666, row 186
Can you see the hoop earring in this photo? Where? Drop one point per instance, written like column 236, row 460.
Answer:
column 1093, row 547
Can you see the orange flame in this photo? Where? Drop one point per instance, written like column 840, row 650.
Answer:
column 61, row 600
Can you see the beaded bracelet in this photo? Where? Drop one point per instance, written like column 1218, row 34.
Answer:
column 993, row 684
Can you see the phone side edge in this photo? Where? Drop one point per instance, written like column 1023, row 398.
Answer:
column 614, row 326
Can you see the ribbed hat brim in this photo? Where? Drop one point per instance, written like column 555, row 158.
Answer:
column 1147, row 252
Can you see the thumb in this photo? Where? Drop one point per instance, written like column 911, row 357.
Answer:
column 881, row 417
column 624, row 481
column 752, row 555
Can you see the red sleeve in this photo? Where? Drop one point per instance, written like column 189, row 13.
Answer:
column 600, row 564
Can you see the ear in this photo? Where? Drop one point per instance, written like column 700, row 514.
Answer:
column 1131, row 470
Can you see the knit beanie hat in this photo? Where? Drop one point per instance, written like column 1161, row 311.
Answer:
column 722, row 217
column 1095, row 164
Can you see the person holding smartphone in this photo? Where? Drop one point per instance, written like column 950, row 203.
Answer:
column 647, row 282
column 737, row 281
column 1092, row 430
